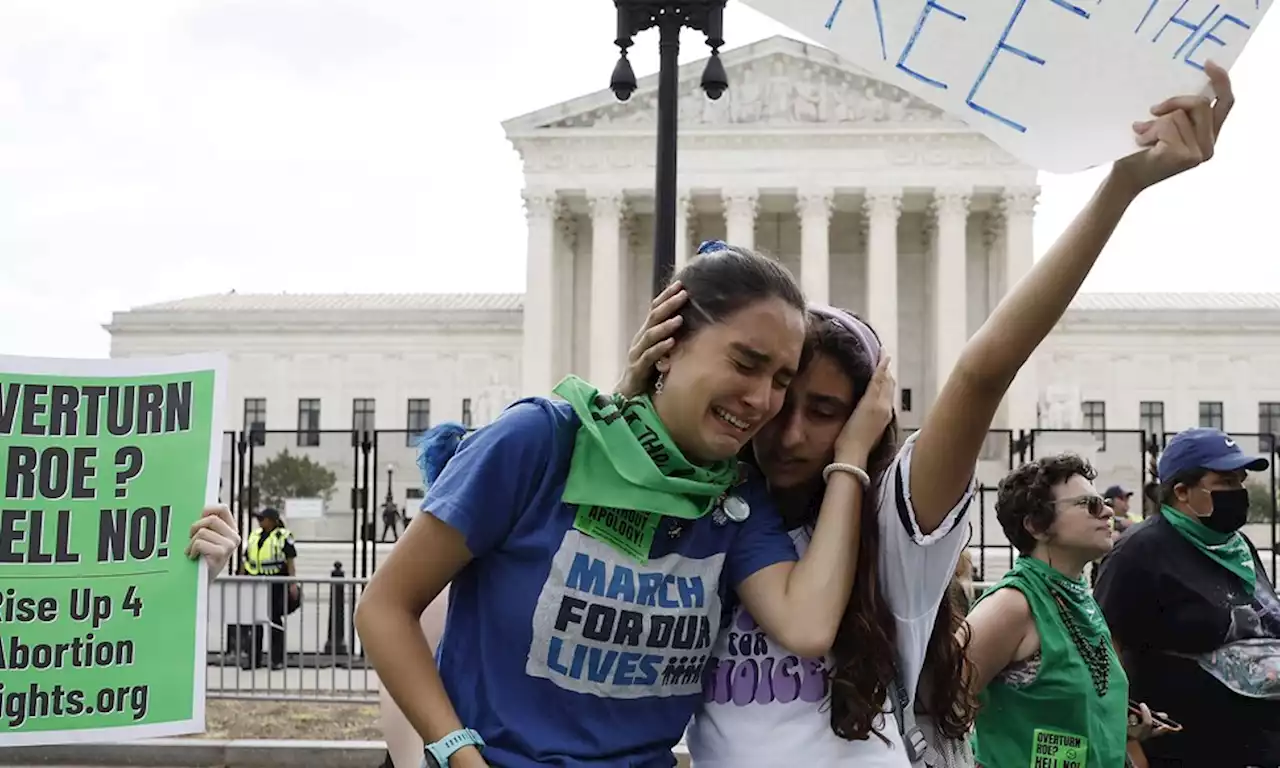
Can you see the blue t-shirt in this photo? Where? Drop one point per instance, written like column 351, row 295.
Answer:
column 558, row 649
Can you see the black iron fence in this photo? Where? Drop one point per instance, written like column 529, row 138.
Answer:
column 359, row 489
column 332, row 486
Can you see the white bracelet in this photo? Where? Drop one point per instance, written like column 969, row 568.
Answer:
column 857, row 472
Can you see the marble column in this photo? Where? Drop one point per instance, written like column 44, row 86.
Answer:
column 740, row 218
column 565, row 298
column 950, row 209
column 607, row 210
column 813, row 207
column 539, row 326
column 1017, row 208
column 684, row 209
column 882, row 209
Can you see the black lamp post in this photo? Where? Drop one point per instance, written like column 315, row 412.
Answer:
column 390, row 511
column 635, row 16
column 391, row 499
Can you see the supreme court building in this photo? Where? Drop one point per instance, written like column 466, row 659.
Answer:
column 876, row 201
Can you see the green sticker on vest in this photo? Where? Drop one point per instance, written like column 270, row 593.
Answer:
column 1058, row 749
column 627, row 530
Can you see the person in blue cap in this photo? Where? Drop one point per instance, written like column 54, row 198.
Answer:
column 1117, row 497
column 1193, row 613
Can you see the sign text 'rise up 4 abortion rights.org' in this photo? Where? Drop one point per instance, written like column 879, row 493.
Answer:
column 104, row 466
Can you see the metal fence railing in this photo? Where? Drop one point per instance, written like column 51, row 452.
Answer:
column 358, row 488
column 258, row 649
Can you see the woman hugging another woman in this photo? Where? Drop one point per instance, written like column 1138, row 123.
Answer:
column 589, row 545
column 766, row 703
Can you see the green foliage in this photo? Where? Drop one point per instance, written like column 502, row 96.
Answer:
column 290, row 476
column 1262, row 506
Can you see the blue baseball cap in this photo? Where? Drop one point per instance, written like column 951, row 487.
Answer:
column 1117, row 492
column 1202, row 448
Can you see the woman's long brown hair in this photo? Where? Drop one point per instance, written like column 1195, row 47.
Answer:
column 946, row 690
column 865, row 651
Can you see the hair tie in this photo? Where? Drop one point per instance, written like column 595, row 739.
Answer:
column 711, row 246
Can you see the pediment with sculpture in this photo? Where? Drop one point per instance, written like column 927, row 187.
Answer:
column 775, row 90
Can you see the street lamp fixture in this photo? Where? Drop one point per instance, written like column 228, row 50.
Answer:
column 635, row 16
column 390, row 502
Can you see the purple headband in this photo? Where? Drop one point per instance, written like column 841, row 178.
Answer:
column 851, row 323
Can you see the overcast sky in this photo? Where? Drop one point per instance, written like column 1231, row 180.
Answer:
column 155, row 149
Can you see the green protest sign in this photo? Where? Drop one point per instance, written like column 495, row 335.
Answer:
column 105, row 465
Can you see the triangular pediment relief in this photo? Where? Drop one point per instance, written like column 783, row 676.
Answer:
column 775, row 83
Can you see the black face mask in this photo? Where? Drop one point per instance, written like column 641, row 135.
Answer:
column 1230, row 510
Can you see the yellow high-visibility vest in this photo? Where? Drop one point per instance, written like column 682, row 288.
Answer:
column 264, row 552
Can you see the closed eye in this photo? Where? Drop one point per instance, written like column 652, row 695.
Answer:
column 780, row 381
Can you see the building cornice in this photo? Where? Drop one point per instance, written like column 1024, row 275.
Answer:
column 313, row 322
column 1251, row 321
column 929, row 147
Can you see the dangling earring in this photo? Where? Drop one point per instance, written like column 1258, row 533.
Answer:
column 657, row 384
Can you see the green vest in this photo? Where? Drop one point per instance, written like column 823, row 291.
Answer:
column 264, row 552
column 1058, row 721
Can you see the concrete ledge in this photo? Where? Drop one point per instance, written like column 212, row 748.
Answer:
column 204, row 753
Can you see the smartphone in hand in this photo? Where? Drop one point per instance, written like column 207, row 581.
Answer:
column 1163, row 721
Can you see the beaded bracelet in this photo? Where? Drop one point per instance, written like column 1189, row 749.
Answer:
column 857, row 472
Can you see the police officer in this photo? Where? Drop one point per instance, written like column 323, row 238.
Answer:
column 269, row 551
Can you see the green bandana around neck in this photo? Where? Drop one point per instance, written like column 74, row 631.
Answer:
column 1229, row 550
column 1071, row 593
column 626, row 473
column 1082, row 622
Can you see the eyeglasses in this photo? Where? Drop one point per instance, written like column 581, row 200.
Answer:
column 1096, row 505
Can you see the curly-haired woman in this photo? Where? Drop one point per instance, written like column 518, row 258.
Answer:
column 1050, row 682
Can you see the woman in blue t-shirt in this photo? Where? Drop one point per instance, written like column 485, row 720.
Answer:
column 590, row 545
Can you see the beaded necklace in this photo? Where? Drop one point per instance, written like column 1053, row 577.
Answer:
column 1095, row 657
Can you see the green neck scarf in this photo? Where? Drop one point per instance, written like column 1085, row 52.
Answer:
column 1229, row 550
column 1081, row 617
column 626, row 472
column 1073, row 713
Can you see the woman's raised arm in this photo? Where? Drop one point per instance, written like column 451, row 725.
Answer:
column 1181, row 136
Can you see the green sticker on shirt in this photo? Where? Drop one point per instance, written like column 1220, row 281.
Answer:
column 1058, row 749
column 627, row 530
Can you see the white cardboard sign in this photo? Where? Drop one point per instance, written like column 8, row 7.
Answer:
column 1057, row 83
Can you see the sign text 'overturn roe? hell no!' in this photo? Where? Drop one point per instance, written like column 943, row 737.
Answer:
column 104, row 464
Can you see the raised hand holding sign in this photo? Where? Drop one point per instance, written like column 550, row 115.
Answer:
column 1057, row 83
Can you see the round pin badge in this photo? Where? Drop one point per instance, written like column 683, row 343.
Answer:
column 736, row 509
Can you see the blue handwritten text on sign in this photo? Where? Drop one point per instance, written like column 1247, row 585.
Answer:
column 1058, row 83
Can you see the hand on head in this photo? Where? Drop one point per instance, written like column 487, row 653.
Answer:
column 870, row 417
column 1182, row 135
column 214, row 537
column 654, row 339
